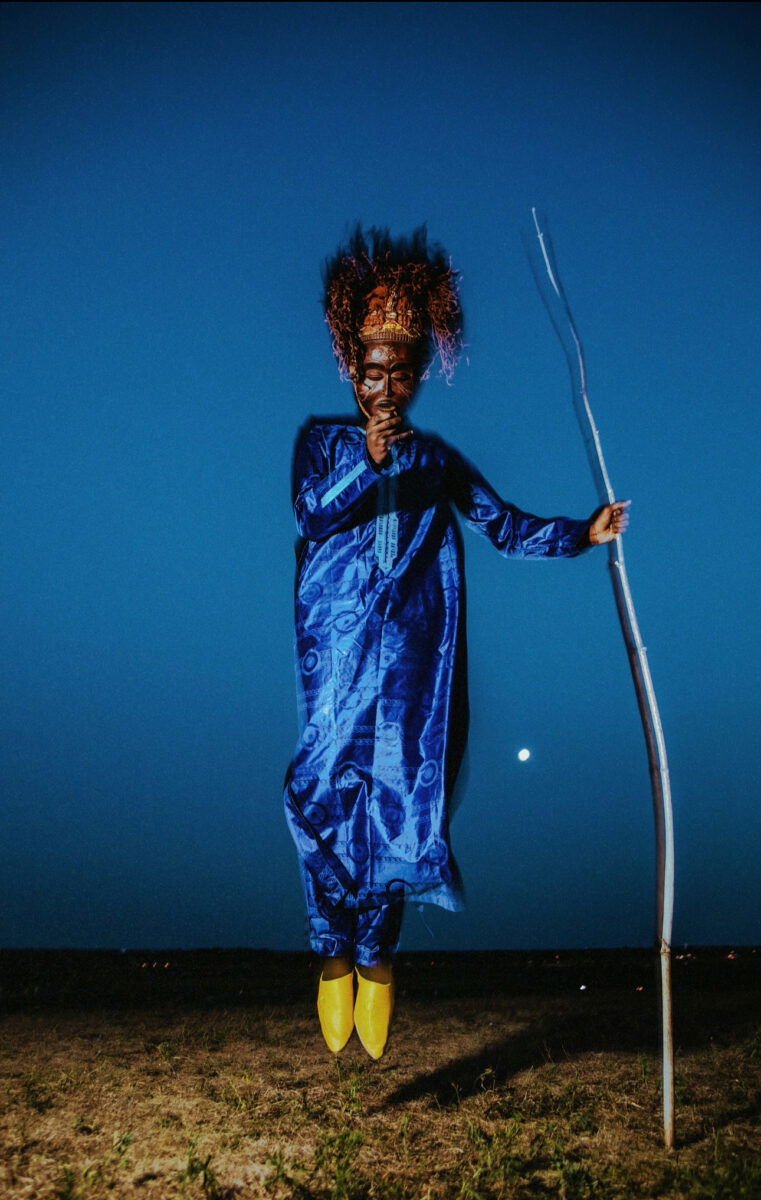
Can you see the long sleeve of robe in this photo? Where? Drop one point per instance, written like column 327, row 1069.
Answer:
column 381, row 666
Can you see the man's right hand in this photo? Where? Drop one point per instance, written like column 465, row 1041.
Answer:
column 380, row 432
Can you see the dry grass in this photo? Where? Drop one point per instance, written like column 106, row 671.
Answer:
column 552, row 1093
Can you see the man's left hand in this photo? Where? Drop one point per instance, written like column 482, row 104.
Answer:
column 610, row 521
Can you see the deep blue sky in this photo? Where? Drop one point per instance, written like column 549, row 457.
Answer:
column 173, row 176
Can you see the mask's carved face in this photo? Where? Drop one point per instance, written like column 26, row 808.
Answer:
column 389, row 377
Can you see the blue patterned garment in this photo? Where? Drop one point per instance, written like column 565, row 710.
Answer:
column 380, row 640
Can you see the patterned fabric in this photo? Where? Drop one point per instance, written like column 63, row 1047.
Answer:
column 380, row 624
column 368, row 936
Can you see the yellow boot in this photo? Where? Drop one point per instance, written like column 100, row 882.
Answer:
column 372, row 1014
column 335, row 1005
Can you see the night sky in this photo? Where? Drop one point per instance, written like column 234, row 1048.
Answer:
column 173, row 176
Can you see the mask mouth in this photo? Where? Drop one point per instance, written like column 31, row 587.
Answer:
column 385, row 406
column 389, row 408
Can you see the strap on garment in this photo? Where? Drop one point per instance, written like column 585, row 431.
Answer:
column 342, row 484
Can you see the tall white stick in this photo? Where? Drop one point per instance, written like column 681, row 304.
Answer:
column 560, row 313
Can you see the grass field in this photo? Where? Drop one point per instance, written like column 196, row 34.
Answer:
column 203, row 1074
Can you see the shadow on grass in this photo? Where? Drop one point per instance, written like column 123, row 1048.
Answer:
column 614, row 1024
column 552, row 1037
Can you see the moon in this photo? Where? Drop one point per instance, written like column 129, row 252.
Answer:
column 524, row 755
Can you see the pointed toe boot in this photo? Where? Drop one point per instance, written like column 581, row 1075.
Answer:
column 373, row 1009
column 335, row 1008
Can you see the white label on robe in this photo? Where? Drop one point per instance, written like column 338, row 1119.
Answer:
column 387, row 520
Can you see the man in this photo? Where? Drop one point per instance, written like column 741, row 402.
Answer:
column 380, row 625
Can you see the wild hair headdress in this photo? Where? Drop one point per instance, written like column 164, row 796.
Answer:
column 392, row 290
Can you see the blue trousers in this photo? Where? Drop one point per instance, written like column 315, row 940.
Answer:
column 368, row 936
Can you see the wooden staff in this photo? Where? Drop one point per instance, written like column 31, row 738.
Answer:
column 561, row 316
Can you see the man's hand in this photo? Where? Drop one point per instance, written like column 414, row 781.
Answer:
column 610, row 521
column 380, row 432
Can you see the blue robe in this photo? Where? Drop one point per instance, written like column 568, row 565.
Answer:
column 381, row 666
